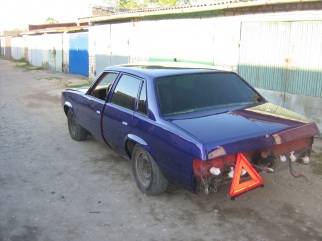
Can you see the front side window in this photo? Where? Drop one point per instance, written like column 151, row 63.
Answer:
column 126, row 92
column 102, row 85
column 196, row 92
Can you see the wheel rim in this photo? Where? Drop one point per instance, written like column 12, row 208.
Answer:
column 143, row 169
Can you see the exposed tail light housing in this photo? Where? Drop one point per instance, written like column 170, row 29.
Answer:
column 202, row 168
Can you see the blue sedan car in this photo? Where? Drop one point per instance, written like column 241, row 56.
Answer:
column 186, row 125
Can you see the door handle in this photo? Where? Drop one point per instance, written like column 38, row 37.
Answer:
column 98, row 112
column 124, row 123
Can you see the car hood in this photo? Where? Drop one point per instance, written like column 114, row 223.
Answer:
column 247, row 129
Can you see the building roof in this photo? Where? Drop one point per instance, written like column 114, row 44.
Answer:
column 113, row 14
column 55, row 28
column 218, row 5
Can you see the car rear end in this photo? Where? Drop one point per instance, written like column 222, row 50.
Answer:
column 231, row 119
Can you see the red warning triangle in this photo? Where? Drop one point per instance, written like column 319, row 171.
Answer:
column 256, row 180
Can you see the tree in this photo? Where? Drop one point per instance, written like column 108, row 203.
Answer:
column 146, row 3
column 51, row 20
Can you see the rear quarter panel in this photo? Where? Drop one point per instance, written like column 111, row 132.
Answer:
column 172, row 148
column 173, row 151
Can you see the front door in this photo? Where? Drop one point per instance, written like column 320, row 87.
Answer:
column 95, row 100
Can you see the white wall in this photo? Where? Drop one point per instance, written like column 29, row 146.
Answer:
column 18, row 45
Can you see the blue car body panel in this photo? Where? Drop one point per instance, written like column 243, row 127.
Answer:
column 117, row 124
column 244, row 128
column 175, row 141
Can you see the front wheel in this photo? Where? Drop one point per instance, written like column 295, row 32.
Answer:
column 147, row 174
column 76, row 132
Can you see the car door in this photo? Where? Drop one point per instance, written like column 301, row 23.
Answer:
column 90, row 117
column 119, row 110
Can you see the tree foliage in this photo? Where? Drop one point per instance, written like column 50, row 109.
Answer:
column 146, row 3
column 51, row 20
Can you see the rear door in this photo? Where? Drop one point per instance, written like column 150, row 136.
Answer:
column 119, row 110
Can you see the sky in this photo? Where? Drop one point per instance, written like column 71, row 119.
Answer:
column 20, row 13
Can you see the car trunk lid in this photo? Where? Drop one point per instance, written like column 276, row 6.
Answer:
column 247, row 129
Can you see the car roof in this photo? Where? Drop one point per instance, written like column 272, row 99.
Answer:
column 161, row 69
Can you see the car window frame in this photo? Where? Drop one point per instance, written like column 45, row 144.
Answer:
column 143, row 81
column 115, row 84
column 96, row 82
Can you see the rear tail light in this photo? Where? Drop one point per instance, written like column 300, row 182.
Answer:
column 214, row 166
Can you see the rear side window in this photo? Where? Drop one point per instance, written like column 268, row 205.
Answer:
column 142, row 108
column 126, row 92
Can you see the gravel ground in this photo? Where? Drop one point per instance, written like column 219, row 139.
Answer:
column 53, row 188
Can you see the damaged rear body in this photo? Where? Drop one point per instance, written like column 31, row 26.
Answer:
column 266, row 134
column 228, row 118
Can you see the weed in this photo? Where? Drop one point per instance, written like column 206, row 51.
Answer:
column 24, row 64
column 21, row 60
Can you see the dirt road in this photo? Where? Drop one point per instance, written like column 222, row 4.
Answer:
column 53, row 188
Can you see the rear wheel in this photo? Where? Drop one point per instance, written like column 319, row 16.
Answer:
column 147, row 174
column 76, row 132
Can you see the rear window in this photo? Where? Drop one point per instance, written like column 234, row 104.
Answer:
column 190, row 93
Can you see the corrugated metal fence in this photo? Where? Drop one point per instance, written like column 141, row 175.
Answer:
column 282, row 56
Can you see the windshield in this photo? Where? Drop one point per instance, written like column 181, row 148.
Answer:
column 196, row 92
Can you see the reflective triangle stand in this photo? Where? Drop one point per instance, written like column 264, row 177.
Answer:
column 255, row 181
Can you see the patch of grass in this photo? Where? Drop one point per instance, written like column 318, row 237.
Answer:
column 25, row 65
column 21, row 60
column 22, row 65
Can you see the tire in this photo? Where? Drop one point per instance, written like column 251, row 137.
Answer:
column 147, row 174
column 76, row 132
